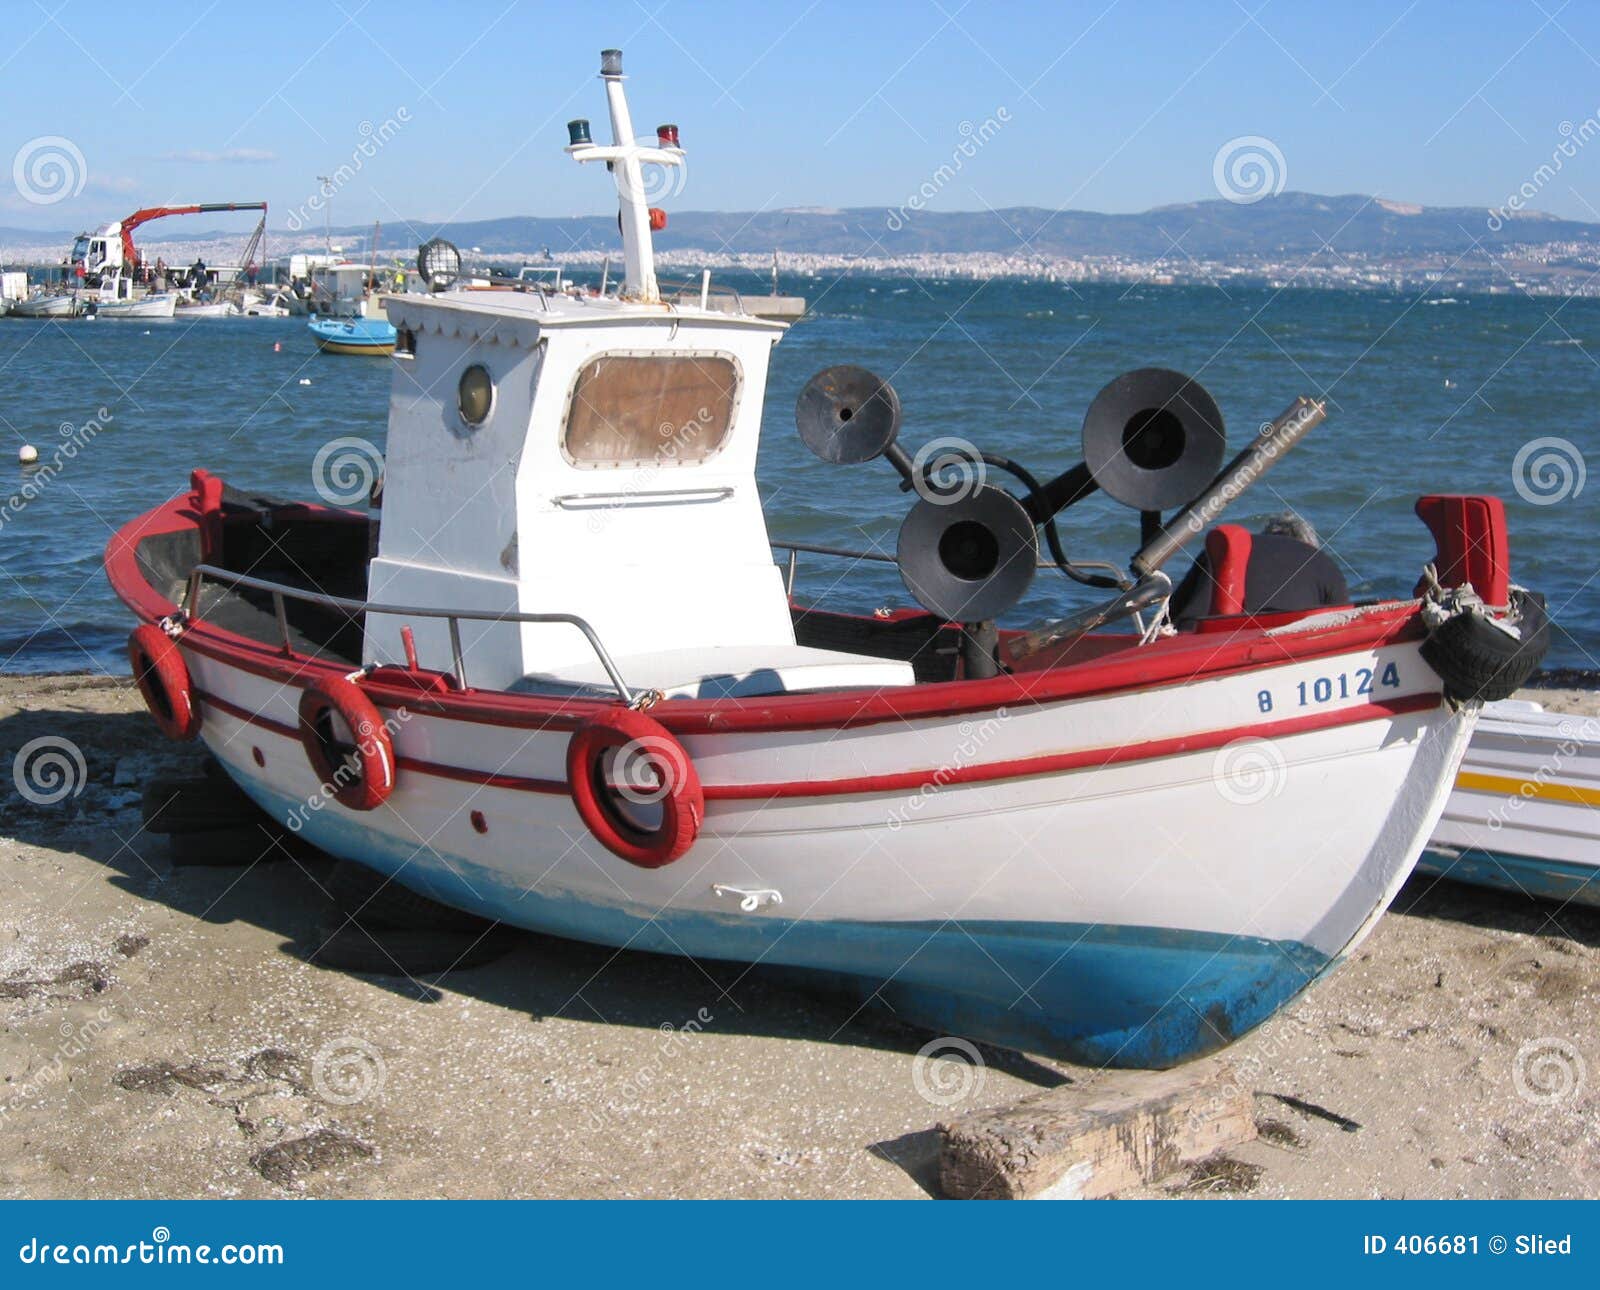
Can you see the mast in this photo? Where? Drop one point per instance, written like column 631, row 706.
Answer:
column 626, row 160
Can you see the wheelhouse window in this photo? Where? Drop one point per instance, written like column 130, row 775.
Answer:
column 656, row 409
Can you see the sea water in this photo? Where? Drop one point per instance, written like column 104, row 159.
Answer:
column 1493, row 394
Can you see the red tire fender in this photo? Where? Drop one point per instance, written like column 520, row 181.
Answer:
column 163, row 680
column 623, row 766
column 372, row 781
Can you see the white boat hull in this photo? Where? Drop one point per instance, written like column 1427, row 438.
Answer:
column 1191, row 891
column 153, row 306
column 1525, row 813
column 45, row 307
column 219, row 309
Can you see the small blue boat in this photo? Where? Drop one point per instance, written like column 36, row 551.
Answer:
column 353, row 335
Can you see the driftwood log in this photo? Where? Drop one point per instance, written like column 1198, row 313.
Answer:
column 1121, row 1130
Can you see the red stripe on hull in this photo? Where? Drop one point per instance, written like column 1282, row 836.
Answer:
column 987, row 772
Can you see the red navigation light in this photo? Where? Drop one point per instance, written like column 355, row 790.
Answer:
column 667, row 136
column 658, row 219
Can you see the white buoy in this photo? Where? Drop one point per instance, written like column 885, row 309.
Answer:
column 277, row 347
column 27, row 454
column 305, row 380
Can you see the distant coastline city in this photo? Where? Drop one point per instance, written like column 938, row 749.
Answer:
column 1291, row 240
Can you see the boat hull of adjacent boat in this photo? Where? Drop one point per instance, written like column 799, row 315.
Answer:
column 1525, row 814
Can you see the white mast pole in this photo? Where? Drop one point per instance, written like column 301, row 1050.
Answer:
column 627, row 161
column 638, row 250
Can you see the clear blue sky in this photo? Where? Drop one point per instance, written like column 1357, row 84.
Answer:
column 1112, row 107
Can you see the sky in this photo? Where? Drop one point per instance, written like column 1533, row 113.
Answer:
column 457, row 111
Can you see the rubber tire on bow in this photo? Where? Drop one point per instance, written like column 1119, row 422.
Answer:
column 682, row 805
column 163, row 680
column 1478, row 661
column 374, row 750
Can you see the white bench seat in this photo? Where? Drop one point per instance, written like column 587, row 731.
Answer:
column 727, row 671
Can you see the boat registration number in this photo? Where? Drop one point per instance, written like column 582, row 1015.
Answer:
column 1339, row 686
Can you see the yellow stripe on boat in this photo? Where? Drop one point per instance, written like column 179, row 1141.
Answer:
column 1510, row 786
column 340, row 347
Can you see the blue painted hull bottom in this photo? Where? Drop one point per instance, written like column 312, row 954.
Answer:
column 1557, row 880
column 1098, row 995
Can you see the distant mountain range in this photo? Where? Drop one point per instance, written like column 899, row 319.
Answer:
column 1290, row 224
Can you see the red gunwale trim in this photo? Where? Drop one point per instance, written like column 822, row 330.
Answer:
column 1083, row 759
column 1174, row 662
column 987, row 772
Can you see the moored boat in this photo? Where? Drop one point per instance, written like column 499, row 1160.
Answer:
column 371, row 336
column 1524, row 816
column 574, row 691
column 207, row 309
column 159, row 304
column 63, row 305
column 279, row 305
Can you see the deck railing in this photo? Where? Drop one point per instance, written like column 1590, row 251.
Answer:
column 282, row 592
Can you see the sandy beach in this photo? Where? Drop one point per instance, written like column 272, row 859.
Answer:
column 163, row 1034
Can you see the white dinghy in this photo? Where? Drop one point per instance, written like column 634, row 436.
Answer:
column 574, row 691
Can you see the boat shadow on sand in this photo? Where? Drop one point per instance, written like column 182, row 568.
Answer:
column 1429, row 896
column 286, row 890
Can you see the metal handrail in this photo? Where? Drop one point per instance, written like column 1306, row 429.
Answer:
column 281, row 592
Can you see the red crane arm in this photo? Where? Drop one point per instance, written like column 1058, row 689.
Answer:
column 131, row 222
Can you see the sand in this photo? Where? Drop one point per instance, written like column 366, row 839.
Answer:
column 162, row 1034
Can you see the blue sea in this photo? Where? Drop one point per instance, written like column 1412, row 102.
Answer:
column 1430, row 394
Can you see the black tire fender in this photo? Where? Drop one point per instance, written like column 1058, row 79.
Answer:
column 1478, row 660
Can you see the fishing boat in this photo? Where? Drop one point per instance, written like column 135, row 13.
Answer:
column 576, row 690
column 1525, row 813
column 154, row 305
column 207, row 309
column 61, row 305
column 353, row 335
column 279, row 305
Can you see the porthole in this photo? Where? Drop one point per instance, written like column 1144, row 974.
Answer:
column 475, row 395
